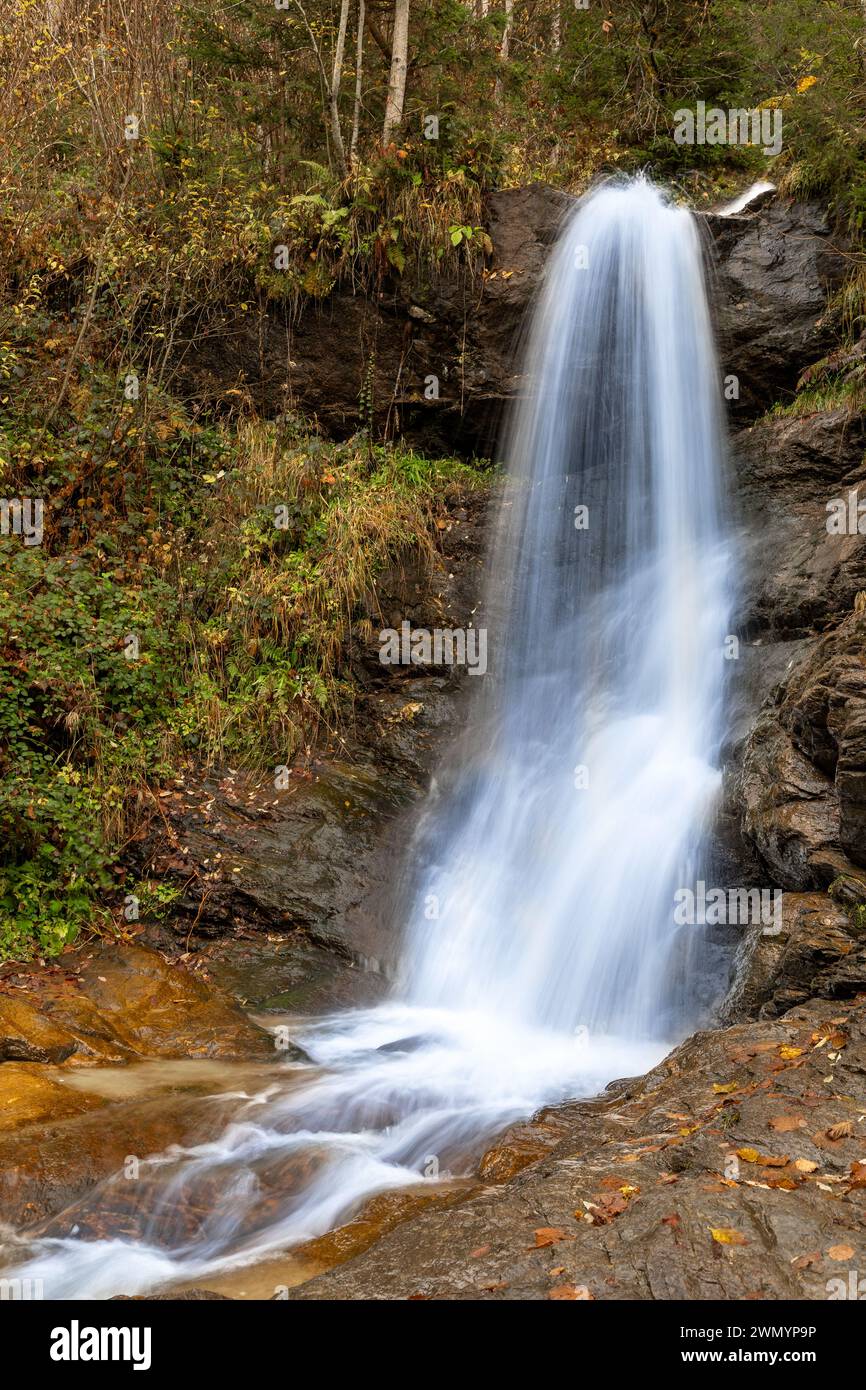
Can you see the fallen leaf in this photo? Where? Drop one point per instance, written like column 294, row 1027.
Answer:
column 725, row 1235
column 668, row 1177
column 782, row 1124
column 857, row 1175
column 788, row 1053
column 726, row 1089
column 841, row 1252
column 843, row 1130
column 573, row 1292
column 748, row 1155
column 549, row 1235
column 804, row 1261
column 476, row 1254
column 606, row 1208
column 804, row 1165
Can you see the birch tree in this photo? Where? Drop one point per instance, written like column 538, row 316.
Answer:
column 505, row 45
column 359, row 70
column 334, row 88
column 399, row 64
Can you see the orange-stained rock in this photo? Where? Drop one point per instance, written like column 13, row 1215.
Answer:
column 118, row 1002
column 26, row 1035
column 29, row 1093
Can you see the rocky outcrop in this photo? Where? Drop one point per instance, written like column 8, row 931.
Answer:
column 117, row 1003
column 816, row 950
column 804, row 772
column 774, row 266
column 733, row 1170
column 797, row 576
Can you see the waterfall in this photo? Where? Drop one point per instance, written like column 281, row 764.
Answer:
column 557, row 862
column 541, row 957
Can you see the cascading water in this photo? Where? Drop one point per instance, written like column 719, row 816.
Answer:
column 540, row 960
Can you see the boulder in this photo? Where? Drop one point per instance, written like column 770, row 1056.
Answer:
column 26, row 1035
column 115, row 1003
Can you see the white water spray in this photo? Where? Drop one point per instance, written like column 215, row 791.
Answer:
column 541, row 959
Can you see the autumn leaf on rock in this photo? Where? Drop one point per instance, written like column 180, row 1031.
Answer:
column 857, row 1175
column 550, row 1235
column 726, row 1235
column 843, row 1130
column 572, row 1292
column 841, row 1252
column 804, row 1261
column 783, row 1124
column 605, row 1208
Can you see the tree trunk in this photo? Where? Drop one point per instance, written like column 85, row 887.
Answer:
column 397, row 80
column 334, row 90
column 359, row 69
column 504, row 45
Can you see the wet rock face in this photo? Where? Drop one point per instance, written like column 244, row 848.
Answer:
column 818, row 950
column 804, row 772
column 798, row 576
column 117, row 1003
column 105, row 1004
column 773, row 265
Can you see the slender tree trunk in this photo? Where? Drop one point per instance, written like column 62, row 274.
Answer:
column 334, row 89
column 399, row 63
column 556, row 27
column 504, row 46
column 359, row 69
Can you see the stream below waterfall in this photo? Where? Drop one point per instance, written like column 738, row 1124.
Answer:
column 541, row 959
